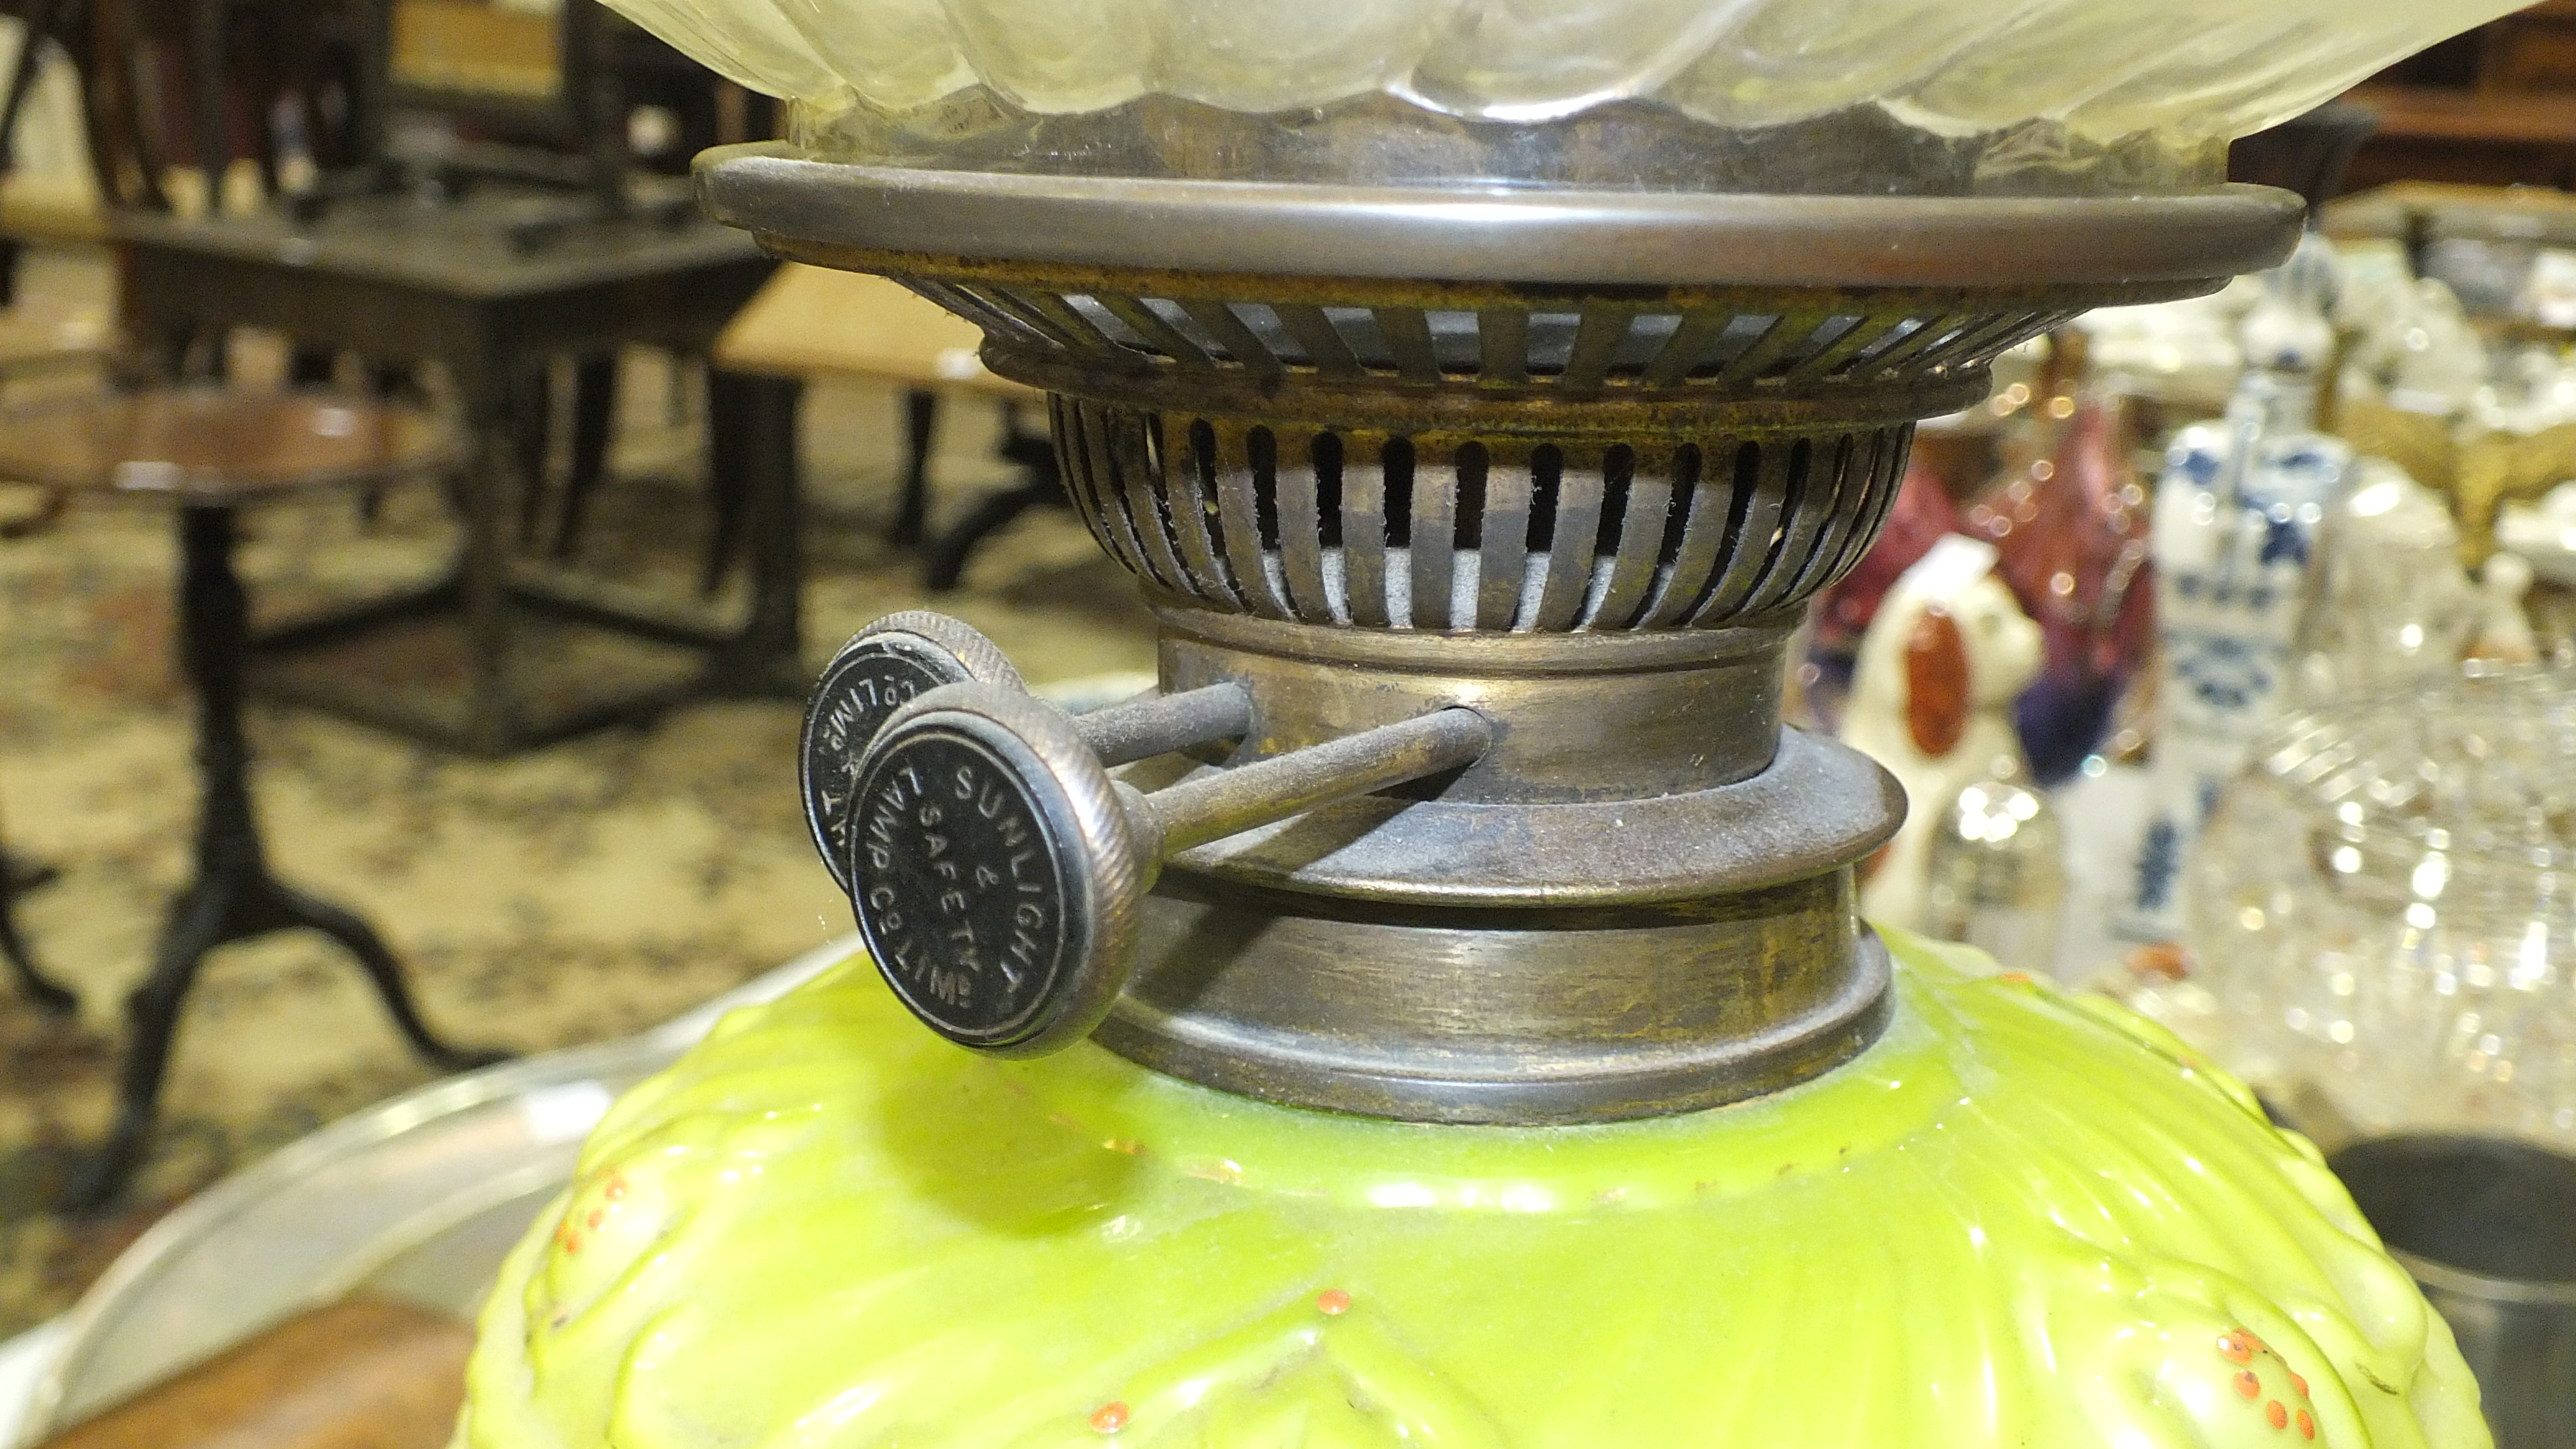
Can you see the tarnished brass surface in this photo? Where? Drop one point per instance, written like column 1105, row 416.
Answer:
column 1686, row 710
column 1596, row 236
column 1499, row 1016
column 1573, row 460
column 1211, row 805
column 1537, row 962
column 1510, row 531
column 1819, row 806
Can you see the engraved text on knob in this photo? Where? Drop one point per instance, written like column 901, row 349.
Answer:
column 853, row 699
column 959, row 887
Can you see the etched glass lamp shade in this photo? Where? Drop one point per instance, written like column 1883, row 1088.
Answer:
column 1440, row 1014
column 1918, row 96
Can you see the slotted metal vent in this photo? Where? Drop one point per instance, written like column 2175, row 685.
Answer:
column 1585, row 347
column 1376, row 529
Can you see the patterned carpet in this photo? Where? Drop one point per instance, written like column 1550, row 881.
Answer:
column 572, row 893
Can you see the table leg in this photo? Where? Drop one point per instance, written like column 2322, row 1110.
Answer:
column 491, row 479
column 757, row 419
column 41, row 989
column 920, row 430
column 1041, row 483
column 232, row 897
column 535, row 418
column 594, row 415
column 729, row 481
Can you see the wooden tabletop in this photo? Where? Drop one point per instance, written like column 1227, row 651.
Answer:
column 457, row 248
column 2519, row 213
column 2530, row 118
column 813, row 321
column 214, row 446
column 358, row 1374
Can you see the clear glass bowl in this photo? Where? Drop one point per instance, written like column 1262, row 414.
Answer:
column 1850, row 95
column 2385, row 907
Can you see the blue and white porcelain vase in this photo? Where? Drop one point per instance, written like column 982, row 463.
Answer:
column 2237, row 514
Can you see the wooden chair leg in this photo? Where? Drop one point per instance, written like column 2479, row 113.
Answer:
column 309, row 366
column 920, row 432
column 594, row 414
column 535, row 403
column 729, row 462
column 1040, row 484
column 386, row 380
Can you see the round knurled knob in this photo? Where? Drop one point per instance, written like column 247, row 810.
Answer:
column 998, row 880
column 883, row 667
column 1000, row 871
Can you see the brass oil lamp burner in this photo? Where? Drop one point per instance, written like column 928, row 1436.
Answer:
column 1470, row 798
column 1440, row 1013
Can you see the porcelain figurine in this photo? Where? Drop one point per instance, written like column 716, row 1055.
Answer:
column 2390, row 605
column 1923, row 515
column 2071, row 529
column 2237, row 515
column 1932, row 697
column 2504, row 631
column 2422, row 357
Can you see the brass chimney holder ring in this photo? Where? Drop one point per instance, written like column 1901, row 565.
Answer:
column 1574, row 461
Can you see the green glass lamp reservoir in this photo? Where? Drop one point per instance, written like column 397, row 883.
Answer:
column 2015, row 1219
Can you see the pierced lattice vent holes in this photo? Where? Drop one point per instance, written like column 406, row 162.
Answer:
column 1602, row 346
column 1345, row 526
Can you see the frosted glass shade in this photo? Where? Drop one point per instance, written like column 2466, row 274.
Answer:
column 2051, row 84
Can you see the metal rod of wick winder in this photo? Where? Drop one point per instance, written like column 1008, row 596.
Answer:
column 1139, row 729
column 1229, row 802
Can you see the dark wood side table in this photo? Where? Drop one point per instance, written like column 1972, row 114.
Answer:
column 208, row 452
column 487, row 286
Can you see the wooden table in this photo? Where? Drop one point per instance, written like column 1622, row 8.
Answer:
column 2491, row 213
column 488, row 286
column 811, row 322
column 206, row 453
column 2486, row 137
column 357, row 1374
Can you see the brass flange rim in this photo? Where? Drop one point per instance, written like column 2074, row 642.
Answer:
column 1490, row 233
column 1582, row 1082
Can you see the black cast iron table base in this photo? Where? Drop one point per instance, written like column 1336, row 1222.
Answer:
column 16, row 877
column 233, row 896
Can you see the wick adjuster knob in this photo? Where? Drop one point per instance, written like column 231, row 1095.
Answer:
column 902, row 656
column 1000, row 870
column 883, row 668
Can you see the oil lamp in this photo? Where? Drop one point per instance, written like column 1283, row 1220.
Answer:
column 1440, row 1012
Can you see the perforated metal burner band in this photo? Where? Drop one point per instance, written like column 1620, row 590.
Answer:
column 1573, row 459
column 1474, row 456
column 1380, row 529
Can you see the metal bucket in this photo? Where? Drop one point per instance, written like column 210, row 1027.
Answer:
column 2488, row 1227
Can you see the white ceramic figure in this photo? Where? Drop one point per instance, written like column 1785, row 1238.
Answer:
column 2389, row 605
column 2534, row 390
column 2420, row 356
column 1932, row 699
column 2236, row 520
column 2544, row 534
column 2504, row 631
column 2185, row 353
